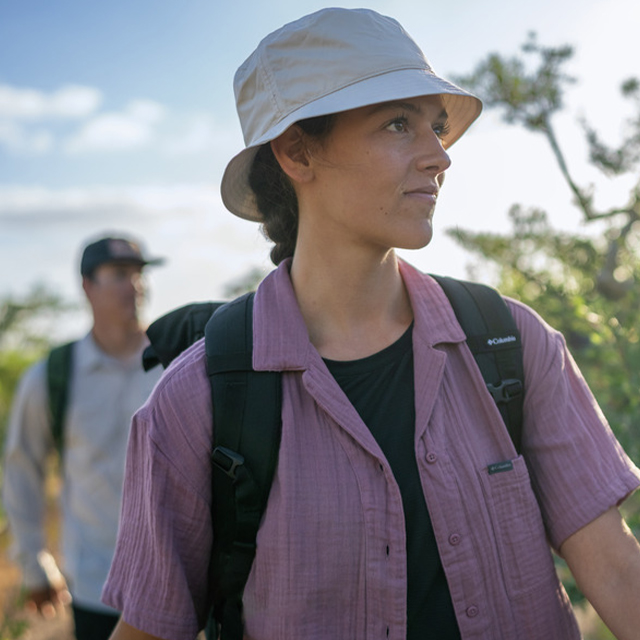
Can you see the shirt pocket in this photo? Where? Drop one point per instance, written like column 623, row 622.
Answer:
column 520, row 538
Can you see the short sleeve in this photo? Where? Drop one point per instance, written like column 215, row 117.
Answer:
column 578, row 468
column 159, row 575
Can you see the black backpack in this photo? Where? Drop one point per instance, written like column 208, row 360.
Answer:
column 59, row 363
column 247, row 414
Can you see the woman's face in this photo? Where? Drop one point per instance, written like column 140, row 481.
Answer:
column 377, row 175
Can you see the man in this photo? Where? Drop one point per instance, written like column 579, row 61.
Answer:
column 106, row 385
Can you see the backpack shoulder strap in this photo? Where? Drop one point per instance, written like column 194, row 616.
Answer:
column 494, row 340
column 247, row 420
column 59, row 365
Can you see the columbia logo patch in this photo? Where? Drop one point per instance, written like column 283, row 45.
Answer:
column 495, row 342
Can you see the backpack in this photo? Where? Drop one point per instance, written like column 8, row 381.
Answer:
column 59, row 363
column 247, row 415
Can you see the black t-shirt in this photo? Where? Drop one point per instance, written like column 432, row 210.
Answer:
column 381, row 388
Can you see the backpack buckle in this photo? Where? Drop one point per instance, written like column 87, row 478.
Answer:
column 506, row 391
column 227, row 461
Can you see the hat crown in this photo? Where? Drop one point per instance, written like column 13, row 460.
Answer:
column 305, row 60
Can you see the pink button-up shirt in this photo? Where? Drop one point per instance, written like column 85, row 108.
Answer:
column 331, row 559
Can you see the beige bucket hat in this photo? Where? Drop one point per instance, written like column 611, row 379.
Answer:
column 329, row 61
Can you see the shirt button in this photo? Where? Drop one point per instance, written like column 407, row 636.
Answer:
column 455, row 539
column 432, row 457
column 472, row 611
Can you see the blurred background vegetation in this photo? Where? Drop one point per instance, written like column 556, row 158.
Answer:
column 584, row 285
column 26, row 324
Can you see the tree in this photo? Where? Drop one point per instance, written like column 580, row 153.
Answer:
column 23, row 321
column 585, row 286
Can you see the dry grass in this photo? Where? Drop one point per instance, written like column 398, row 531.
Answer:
column 15, row 621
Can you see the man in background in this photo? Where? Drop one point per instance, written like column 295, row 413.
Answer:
column 103, row 386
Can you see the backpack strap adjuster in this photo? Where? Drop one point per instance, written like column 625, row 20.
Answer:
column 227, row 461
column 506, row 391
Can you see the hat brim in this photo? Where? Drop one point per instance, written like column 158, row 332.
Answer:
column 143, row 262
column 462, row 109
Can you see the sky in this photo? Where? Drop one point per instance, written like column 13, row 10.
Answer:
column 119, row 117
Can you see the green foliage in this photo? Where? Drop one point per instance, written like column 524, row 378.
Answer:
column 25, row 322
column 529, row 91
column 12, row 365
column 12, row 628
column 528, row 97
column 618, row 160
column 25, row 330
column 12, row 624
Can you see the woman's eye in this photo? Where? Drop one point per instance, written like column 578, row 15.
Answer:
column 442, row 130
column 398, row 124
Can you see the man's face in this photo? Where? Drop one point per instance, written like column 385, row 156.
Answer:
column 116, row 292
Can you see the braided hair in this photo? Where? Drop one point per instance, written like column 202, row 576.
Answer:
column 275, row 196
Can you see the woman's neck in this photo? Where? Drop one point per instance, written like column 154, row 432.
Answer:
column 353, row 305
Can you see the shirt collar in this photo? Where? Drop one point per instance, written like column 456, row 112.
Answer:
column 280, row 337
column 88, row 356
column 435, row 320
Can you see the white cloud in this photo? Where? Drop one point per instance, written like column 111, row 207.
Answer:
column 68, row 102
column 134, row 127
column 18, row 139
column 145, row 111
column 75, row 101
column 69, row 120
column 27, row 205
column 21, row 109
column 109, row 132
column 199, row 135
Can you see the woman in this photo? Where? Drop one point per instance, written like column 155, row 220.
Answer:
column 384, row 520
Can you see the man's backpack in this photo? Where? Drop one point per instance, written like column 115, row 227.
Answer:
column 59, row 363
column 247, row 414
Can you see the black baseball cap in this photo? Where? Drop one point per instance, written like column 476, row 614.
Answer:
column 110, row 250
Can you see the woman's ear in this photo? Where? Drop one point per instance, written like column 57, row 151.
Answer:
column 291, row 152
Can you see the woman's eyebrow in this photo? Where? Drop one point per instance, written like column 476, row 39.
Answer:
column 399, row 104
column 394, row 105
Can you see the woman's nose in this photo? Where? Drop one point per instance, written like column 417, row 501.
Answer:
column 433, row 156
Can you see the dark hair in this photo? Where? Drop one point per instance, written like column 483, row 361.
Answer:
column 275, row 196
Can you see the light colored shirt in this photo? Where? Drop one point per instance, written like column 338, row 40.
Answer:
column 103, row 395
column 331, row 554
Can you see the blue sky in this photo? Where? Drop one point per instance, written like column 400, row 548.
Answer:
column 120, row 116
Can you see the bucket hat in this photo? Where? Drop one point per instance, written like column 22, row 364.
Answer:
column 329, row 61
